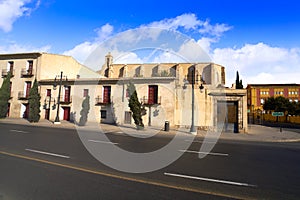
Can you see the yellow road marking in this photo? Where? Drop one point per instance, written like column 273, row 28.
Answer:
column 121, row 177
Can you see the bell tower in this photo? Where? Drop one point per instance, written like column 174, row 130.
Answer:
column 108, row 65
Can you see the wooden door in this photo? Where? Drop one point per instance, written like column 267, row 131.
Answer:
column 127, row 117
column 28, row 86
column 26, row 113
column 67, row 113
column 47, row 114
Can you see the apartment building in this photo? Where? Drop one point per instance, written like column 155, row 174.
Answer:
column 258, row 93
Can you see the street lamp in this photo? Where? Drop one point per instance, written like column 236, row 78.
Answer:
column 193, row 80
column 56, row 121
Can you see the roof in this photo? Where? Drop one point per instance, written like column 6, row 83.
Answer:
column 20, row 55
column 274, row 85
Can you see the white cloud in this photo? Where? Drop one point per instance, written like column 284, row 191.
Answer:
column 193, row 52
column 187, row 21
column 214, row 30
column 257, row 63
column 16, row 48
column 104, row 32
column 81, row 51
column 126, row 58
column 151, row 35
column 260, row 63
column 11, row 10
column 205, row 43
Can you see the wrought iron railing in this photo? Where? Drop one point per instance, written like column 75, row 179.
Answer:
column 150, row 101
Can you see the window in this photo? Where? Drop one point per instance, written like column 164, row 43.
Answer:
column 103, row 114
column 10, row 66
column 153, row 94
column 106, row 94
column 85, row 92
column 48, row 93
column 264, row 92
column 67, row 94
column 30, row 67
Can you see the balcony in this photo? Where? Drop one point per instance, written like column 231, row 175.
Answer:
column 5, row 72
column 65, row 100
column 102, row 101
column 150, row 101
column 26, row 73
column 22, row 95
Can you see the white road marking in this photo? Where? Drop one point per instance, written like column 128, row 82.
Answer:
column 47, row 153
column 199, row 141
column 99, row 141
column 210, row 180
column 18, row 131
column 207, row 153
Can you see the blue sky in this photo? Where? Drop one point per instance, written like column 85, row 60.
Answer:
column 258, row 38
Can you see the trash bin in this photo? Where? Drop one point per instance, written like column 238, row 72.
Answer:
column 167, row 126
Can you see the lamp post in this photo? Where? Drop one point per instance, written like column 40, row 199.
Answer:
column 193, row 80
column 57, row 121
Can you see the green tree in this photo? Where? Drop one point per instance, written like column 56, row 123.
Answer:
column 238, row 82
column 135, row 106
column 277, row 104
column 5, row 95
column 34, row 103
column 84, row 111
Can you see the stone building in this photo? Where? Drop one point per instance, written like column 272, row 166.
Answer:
column 26, row 67
column 180, row 93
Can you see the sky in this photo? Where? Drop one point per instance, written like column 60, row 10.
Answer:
column 259, row 39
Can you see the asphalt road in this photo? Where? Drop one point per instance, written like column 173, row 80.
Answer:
column 44, row 163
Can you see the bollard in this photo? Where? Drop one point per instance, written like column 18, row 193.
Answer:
column 167, row 126
column 280, row 129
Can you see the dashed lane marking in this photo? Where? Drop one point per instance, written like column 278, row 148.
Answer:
column 47, row 153
column 104, row 142
column 209, row 180
column 148, row 182
column 18, row 131
column 207, row 153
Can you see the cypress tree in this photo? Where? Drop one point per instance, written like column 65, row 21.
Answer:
column 238, row 82
column 135, row 106
column 5, row 95
column 84, row 111
column 34, row 103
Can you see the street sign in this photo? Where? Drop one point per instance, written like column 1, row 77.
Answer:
column 277, row 114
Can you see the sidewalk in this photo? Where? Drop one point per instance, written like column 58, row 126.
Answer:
column 256, row 133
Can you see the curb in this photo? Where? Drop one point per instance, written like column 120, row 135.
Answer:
column 111, row 128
